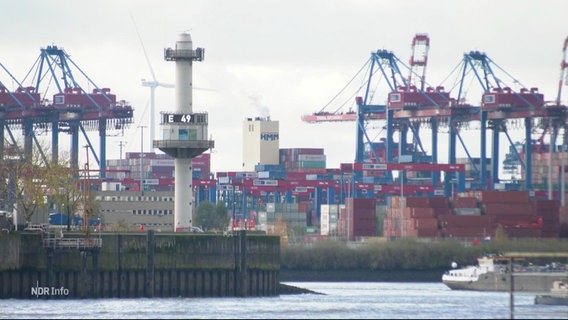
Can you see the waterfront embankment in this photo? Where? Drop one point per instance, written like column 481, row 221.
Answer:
column 139, row 265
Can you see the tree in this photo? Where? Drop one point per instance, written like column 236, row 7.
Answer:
column 30, row 188
column 65, row 189
column 211, row 217
column 33, row 183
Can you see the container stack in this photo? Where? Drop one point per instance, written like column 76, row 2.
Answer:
column 415, row 217
column 425, row 215
column 290, row 213
column 548, row 213
column 540, row 172
column 465, row 219
column 305, row 160
column 329, row 217
column 357, row 219
column 511, row 210
column 474, row 214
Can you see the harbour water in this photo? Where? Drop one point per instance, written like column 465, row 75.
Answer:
column 339, row 300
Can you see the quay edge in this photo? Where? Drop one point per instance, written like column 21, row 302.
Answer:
column 131, row 265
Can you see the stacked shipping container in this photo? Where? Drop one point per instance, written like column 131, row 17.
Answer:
column 357, row 219
column 329, row 218
column 540, row 168
column 472, row 215
column 511, row 210
column 305, row 160
column 415, row 216
column 157, row 170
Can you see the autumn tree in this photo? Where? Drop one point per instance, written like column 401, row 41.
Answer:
column 29, row 187
column 33, row 183
column 65, row 190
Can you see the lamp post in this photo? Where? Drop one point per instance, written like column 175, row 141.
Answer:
column 141, row 158
column 401, row 173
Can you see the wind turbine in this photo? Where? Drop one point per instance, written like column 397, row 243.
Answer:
column 153, row 84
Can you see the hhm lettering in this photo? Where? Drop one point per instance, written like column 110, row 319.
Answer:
column 269, row 136
column 48, row 291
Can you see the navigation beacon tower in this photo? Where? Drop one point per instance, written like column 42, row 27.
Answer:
column 184, row 133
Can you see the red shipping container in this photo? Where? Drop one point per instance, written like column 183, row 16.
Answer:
column 550, row 215
column 545, row 205
column 439, row 202
column 499, row 209
column 468, row 232
column 360, row 203
column 422, row 212
column 450, row 221
column 514, row 220
column 464, row 202
column 503, row 196
column 426, row 223
column 442, row 211
column 417, row 202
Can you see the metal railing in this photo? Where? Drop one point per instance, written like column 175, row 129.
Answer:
column 73, row 243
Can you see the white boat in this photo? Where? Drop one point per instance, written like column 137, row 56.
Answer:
column 558, row 295
column 492, row 274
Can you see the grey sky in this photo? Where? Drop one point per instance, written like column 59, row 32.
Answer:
column 287, row 58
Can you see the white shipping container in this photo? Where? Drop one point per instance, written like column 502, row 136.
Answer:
column 261, row 217
column 162, row 162
column 223, row 180
column 324, row 228
column 270, row 207
column 311, row 157
column 264, row 174
column 405, row 158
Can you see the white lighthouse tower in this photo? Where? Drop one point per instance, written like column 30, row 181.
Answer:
column 184, row 133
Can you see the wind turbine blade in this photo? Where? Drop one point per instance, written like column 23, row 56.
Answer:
column 166, row 85
column 143, row 49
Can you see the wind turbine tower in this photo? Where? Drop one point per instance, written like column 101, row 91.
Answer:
column 153, row 84
column 184, row 133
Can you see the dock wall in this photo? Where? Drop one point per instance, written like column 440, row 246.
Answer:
column 141, row 265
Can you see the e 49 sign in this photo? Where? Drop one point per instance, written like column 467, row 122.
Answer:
column 177, row 118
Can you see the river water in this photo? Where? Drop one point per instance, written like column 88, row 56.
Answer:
column 340, row 300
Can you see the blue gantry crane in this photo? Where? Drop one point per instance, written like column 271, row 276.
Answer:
column 62, row 99
column 411, row 105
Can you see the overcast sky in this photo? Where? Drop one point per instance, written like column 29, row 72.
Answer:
column 277, row 58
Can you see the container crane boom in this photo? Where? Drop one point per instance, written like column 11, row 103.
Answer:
column 419, row 59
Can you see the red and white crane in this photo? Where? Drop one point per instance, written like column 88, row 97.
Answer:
column 419, row 60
